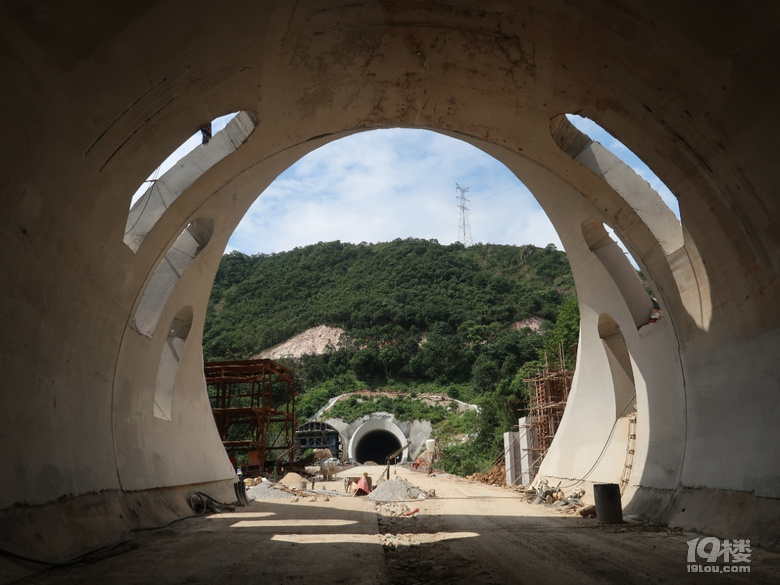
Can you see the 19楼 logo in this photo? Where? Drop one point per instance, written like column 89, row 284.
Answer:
column 712, row 550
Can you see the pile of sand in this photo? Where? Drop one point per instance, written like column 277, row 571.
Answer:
column 292, row 480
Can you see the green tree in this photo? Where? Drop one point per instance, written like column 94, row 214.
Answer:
column 418, row 317
column 564, row 335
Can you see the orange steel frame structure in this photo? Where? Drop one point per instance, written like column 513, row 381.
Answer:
column 549, row 392
column 258, row 394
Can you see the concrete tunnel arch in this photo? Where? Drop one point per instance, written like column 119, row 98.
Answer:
column 375, row 439
column 98, row 104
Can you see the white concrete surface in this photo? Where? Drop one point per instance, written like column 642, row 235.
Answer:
column 163, row 192
column 97, row 95
column 415, row 432
column 378, row 424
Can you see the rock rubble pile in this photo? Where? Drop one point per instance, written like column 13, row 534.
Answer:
column 395, row 490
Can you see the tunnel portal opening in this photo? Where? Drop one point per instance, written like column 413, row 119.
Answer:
column 376, row 446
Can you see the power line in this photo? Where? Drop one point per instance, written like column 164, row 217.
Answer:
column 464, row 229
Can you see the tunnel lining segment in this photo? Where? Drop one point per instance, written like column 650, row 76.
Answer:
column 165, row 382
column 672, row 91
column 177, row 260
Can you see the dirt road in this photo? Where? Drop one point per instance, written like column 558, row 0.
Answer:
column 470, row 533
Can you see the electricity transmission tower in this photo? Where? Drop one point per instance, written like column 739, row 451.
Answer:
column 464, row 229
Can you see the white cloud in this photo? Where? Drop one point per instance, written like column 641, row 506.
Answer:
column 385, row 184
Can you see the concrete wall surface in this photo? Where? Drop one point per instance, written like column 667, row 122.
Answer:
column 416, row 432
column 96, row 95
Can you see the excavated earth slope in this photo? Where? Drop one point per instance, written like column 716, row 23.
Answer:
column 311, row 342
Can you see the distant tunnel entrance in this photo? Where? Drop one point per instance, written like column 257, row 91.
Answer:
column 375, row 439
column 376, row 446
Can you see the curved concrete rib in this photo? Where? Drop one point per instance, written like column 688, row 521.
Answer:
column 162, row 193
column 643, row 200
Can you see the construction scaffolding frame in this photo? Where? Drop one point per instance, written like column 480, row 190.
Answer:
column 548, row 391
column 253, row 403
column 319, row 435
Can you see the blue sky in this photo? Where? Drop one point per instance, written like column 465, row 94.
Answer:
column 399, row 183
column 385, row 184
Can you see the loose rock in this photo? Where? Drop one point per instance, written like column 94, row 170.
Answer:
column 395, row 490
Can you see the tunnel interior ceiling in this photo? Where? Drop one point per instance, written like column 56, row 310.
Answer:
column 376, row 446
column 98, row 104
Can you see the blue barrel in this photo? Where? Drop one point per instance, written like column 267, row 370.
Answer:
column 609, row 509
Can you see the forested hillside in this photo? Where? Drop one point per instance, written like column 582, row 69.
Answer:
column 418, row 316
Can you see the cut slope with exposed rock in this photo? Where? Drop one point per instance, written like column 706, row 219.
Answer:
column 313, row 341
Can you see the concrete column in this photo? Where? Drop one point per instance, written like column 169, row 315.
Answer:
column 511, row 457
column 526, row 446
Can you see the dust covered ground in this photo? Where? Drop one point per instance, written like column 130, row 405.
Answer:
column 470, row 533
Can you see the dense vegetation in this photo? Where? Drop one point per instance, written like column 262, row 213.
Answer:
column 418, row 316
column 404, row 408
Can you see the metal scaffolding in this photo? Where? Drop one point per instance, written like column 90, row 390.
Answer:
column 253, row 402
column 549, row 391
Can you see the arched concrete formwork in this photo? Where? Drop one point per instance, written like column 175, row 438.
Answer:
column 373, row 425
column 96, row 95
column 315, row 434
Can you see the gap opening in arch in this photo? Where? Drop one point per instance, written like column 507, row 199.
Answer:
column 168, row 367
column 625, row 277
column 646, row 198
column 199, row 138
column 620, row 367
column 608, row 141
column 191, row 242
column 181, row 169
column 384, row 186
